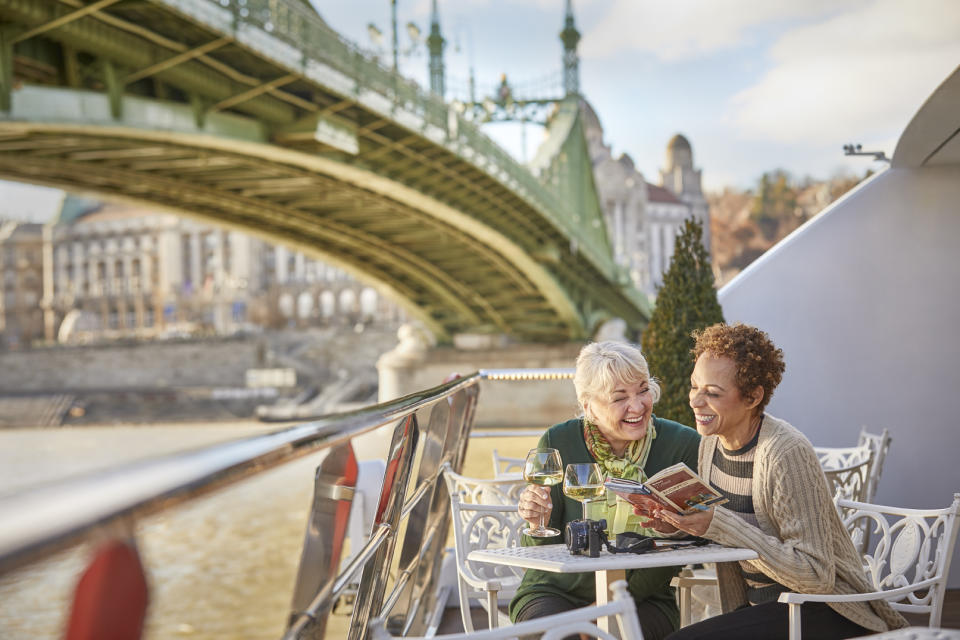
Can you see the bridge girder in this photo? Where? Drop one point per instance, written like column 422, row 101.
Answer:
column 209, row 126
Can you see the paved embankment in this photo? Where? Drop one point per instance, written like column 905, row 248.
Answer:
column 175, row 380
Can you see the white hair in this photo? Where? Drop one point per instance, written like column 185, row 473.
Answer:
column 602, row 366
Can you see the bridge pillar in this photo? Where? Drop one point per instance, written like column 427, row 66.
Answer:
column 6, row 67
column 414, row 365
column 114, row 88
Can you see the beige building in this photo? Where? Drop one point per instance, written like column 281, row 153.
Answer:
column 681, row 179
column 21, row 283
column 643, row 219
column 117, row 271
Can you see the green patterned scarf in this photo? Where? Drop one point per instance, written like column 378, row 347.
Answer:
column 617, row 512
column 631, row 465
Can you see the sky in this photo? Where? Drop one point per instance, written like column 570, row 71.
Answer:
column 754, row 85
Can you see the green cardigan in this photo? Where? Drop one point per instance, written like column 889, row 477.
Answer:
column 674, row 442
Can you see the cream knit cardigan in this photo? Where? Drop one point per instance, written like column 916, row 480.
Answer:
column 801, row 540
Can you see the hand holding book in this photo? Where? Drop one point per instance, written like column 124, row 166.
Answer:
column 677, row 489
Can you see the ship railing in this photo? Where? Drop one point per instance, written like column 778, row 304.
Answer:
column 398, row 566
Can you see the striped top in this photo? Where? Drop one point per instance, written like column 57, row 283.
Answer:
column 732, row 475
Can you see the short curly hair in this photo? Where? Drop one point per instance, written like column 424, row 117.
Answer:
column 759, row 362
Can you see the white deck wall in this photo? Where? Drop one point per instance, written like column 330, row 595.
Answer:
column 864, row 300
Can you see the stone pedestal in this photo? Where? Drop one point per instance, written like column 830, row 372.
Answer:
column 414, row 365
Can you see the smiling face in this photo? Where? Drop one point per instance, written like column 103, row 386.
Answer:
column 718, row 406
column 623, row 415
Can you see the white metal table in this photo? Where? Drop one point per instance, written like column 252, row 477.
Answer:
column 608, row 567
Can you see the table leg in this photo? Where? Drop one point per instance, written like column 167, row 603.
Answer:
column 604, row 580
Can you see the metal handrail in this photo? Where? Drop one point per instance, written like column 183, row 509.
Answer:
column 49, row 518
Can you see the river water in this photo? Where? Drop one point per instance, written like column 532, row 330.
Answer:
column 222, row 566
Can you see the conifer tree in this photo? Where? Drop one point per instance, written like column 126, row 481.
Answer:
column 686, row 301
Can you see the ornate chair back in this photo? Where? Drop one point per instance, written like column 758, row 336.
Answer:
column 506, row 466
column 879, row 445
column 909, row 565
column 484, row 515
column 847, row 470
column 911, row 553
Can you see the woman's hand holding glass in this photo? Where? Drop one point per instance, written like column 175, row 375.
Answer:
column 543, row 468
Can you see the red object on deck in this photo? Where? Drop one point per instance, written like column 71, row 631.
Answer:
column 110, row 602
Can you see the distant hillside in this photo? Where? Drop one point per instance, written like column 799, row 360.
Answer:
column 744, row 224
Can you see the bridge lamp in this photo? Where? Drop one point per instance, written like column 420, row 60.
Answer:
column 414, row 32
column 376, row 36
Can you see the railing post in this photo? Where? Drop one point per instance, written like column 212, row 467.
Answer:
column 373, row 580
column 334, row 490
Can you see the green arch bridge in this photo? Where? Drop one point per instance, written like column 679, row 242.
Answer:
column 257, row 115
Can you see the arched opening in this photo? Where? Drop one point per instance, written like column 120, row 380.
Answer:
column 328, row 304
column 368, row 304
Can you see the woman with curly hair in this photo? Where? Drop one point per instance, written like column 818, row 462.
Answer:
column 779, row 504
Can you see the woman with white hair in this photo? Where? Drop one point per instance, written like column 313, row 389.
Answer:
column 618, row 431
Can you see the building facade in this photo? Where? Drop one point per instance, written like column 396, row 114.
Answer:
column 680, row 178
column 643, row 219
column 117, row 271
column 21, row 283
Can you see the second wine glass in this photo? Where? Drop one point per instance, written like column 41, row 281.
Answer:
column 583, row 481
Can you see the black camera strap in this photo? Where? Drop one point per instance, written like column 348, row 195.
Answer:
column 632, row 542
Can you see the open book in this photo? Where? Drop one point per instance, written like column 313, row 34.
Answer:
column 678, row 488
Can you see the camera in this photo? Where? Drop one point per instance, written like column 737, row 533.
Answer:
column 585, row 537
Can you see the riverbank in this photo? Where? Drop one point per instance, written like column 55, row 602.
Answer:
column 205, row 379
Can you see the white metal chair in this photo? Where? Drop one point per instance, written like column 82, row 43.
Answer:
column 697, row 594
column 850, row 482
column 484, row 515
column 507, row 466
column 552, row 627
column 503, row 491
column 840, row 457
column 880, row 446
column 909, row 565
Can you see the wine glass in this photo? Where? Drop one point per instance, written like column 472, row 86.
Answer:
column 543, row 467
column 583, row 481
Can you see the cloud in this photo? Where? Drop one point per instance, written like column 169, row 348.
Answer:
column 684, row 29
column 857, row 77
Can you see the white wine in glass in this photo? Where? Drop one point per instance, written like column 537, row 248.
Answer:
column 543, row 467
column 583, row 481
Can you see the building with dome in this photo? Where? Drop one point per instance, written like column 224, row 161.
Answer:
column 681, row 179
column 643, row 219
